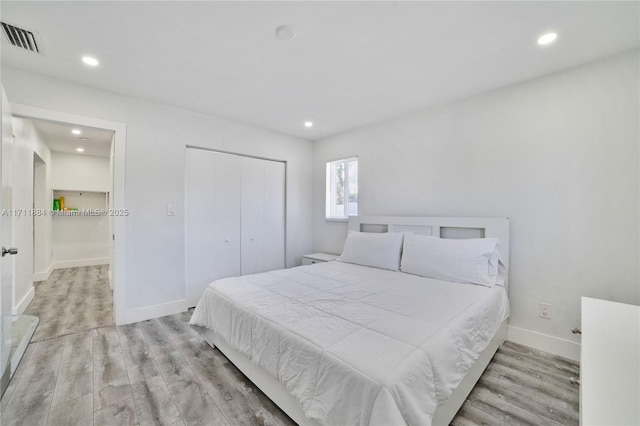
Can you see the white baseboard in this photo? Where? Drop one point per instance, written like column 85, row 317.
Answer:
column 43, row 276
column 544, row 342
column 61, row 264
column 155, row 311
column 22, row 305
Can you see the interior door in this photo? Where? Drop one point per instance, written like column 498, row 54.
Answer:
column 212, row 219
column 6, row 239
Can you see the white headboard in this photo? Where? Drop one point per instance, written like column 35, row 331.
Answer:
column 444, row 227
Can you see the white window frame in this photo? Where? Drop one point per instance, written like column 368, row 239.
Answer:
column 330, row 200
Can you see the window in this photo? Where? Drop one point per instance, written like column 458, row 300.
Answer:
column 342, row 188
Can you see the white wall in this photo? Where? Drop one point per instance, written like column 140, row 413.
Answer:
column 75, row 171
column 26, row 143
column 81, row 240
column 156, row 139
column 557, row 155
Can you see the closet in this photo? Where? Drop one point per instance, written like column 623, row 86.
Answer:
column 235, row 217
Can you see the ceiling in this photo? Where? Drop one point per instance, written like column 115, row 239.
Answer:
column 350, row 64
column 59, row 138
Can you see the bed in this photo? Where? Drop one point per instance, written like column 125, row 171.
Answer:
column 347, row 343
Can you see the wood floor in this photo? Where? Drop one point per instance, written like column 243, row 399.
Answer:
column 161, row 372
column 72, row 300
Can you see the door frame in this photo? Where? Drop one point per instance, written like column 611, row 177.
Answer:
column 118, row 262
column 39, row 187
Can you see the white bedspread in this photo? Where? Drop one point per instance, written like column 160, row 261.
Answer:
column 356, row 345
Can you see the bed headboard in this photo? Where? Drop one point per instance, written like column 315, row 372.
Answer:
column 443, row 227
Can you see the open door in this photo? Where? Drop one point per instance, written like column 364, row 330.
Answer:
column 6, row 239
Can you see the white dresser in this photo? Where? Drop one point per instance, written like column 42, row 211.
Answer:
column 610, row 363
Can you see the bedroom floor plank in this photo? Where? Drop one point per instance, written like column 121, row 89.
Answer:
column 78, row 412
column 162, row 372
column 72, row 300
column 538, row 404
column 75, row 378
column 121, row 413
column 469, row 414
column 502, row 408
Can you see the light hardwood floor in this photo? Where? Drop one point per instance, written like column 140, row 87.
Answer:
column 161, row 372
column 72, row 300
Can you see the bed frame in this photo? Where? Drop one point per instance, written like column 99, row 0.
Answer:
column 445, row 227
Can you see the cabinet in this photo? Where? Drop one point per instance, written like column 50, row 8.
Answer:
column 609, row 363
column 235, row 217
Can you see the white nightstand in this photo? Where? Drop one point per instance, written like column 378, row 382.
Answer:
column 310, row 259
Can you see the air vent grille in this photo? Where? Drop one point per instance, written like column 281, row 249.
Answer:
column 20, row 37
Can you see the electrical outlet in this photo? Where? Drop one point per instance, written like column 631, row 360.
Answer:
column 544, row 310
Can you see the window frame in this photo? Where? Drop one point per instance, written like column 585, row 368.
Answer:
column 330, row 202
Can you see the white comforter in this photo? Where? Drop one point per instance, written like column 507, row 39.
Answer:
column 356, row 345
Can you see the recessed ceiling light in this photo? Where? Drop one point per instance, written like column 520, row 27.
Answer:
column 308, row 124
column 285, row 32
column 91, row 61
column 80, row 149
column 76, row 132
column 547, row 38
column 84, row 139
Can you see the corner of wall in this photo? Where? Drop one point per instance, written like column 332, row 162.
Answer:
column 544, row 342
column 21, row 306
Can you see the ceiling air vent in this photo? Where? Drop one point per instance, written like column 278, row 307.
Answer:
column 20, row 37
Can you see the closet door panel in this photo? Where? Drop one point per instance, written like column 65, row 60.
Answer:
column 226, row 216
column 252, row 224
column 199, row 228
column 274, row 215
column 212, row 220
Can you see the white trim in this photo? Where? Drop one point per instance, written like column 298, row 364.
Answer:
column 155, row 311
column 109, row 277
column 43, row 276
column 61, row 264
column 22, row 305
column 118, row 263
column 544, row 342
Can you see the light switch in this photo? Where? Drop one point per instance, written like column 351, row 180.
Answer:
column 170, row 210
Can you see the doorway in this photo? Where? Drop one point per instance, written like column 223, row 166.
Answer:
column 71, row 235
column 114, row 199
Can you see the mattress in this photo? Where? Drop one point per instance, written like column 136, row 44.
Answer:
column 356, row 345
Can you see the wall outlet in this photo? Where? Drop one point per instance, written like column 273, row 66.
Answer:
column 544, row 310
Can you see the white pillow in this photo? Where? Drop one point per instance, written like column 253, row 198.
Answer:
column 472, row 260
column 379, row 250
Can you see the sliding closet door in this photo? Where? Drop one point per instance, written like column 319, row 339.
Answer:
column 274, row 215
column 212, row 228
column 234, row 218
column 262, row 225
column 252, row 216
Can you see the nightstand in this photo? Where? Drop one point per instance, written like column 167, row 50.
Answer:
column 310, row 259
